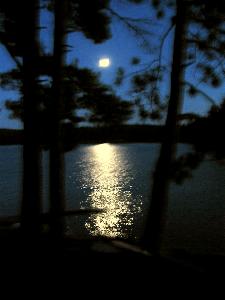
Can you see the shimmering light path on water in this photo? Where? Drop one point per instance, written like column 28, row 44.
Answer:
column 118, row 179
column 111, row 190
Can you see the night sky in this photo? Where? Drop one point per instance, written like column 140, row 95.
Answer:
column 120, row 49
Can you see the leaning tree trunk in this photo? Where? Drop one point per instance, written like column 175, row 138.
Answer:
column 56, row 138
column 31, row 202
column 158, row 206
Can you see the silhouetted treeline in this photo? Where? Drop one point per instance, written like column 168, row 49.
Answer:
column 123, row 133
column 206, row 137
column 11, row 136
column 73, row 136
column 196, row 133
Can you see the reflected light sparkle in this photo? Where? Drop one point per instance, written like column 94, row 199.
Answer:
column 110, row 191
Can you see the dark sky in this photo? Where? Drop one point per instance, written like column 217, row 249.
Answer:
column 120, row 49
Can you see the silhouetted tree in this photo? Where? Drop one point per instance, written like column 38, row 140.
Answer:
column 31, row 204
column 167, row 152
column 19, row 34
column 194, row 13
column 198, row 44
column 204, row 57
column 56, row 158
column 81, row 89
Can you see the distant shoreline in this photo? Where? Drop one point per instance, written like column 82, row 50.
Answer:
column 119, row 134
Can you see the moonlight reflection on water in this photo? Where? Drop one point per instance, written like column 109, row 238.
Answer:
column 110, row 189
column 117, row 178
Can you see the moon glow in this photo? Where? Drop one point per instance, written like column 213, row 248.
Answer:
column 104, row 62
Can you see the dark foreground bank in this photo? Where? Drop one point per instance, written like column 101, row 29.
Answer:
column 102, row 257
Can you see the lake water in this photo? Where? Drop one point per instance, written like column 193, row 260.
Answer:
column 118, row 179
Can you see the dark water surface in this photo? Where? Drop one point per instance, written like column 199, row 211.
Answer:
column 117, row 178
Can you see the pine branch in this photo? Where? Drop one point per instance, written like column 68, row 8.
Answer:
column 163, row 39
column 129, row 19
column 158, row 60
column 148, row 67
column 133, row 24
column 201, row 92
column 14, row 58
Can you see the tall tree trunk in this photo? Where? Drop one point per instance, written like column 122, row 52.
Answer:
column 31, row 202
column 56, row 146
column 161, row 177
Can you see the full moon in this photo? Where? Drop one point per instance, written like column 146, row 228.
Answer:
column 104, row 62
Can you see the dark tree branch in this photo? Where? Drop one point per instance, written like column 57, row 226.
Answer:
column 14, row 58
column 133, row 24
column 209, row 47
column 199, row 91
column 148, row 67
column 129, row 19
column 163, row 39
column 158, row 60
